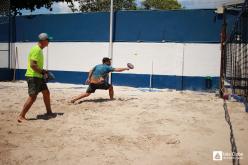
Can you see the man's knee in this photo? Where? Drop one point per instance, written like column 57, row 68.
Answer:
column 87, row 94
column 46, row 93
column 111, row 87
column 33, row 97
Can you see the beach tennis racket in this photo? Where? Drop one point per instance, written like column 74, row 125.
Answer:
column 50, row 76
column 130, row 66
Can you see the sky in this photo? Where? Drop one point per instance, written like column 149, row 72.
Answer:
column 187, row 4
column 196, row 4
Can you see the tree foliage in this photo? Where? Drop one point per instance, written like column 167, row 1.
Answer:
column 104, row 5
column 85, row 5
column 162, row 4
column 17, row 5
column 93, row 5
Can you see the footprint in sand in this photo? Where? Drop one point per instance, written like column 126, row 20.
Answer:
column 8, row 145
column 241, row 129
column 164, row 121
column 173, row 141
column 49, row 130
column 60, row 100
column 10, row 106
column 65, row 101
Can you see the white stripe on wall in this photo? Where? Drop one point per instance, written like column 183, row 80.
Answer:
column 202, row 59
column 4, row 55
column 166, row 57
column 199, row 59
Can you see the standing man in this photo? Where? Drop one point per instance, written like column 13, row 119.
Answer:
column 35, row 75
column 98, row 79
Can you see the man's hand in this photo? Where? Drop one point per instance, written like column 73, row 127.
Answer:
column 88, row 81
column 43, row 71
column 34, row 66
column 45, row 75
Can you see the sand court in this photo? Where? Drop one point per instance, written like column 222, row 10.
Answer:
column 162, row 127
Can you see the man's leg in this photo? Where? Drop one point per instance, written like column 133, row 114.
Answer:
column 46, row 99
column 83, row 95
column 29, row 102
column 91, row 89
column 111, row 92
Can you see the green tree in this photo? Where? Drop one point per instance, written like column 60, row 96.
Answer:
column 85, row 5
column 162, row 4
column 17, row 5
column 104, row 5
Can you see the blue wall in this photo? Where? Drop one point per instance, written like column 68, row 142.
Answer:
column 191, row 26
column 4, row 33
column 197, row 26
column 173, row 26
column 135, row 80
column 6, row 74
column 64, row 27
column 5, row 28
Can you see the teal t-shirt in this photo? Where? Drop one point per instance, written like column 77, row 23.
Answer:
column 102, row 70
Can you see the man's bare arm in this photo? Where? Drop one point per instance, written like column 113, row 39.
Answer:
column 120, row 69
column 90, row 74
column 34, row 66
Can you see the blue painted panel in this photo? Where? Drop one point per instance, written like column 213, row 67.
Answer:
column 136, row 80
column 64, row 27
column 133, row 80
column 70, row 77
column 6, row 74
column 143, row 80
column 5, row 28
column 173, row 26
column 171, row 82
column 61, row 76
column 4, row 33
column 195, row 26
column 199, row 83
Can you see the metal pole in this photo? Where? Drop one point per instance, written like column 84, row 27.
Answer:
column 111, row 37
column 9, row 18
column 222, row 64
column 151, row 75
column 14, row 67
column 182, row 80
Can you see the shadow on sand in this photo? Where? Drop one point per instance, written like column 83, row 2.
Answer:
column 46, row 117
column 101, row 100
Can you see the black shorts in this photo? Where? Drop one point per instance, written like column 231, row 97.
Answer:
column 92, row 87
column 35, row 85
